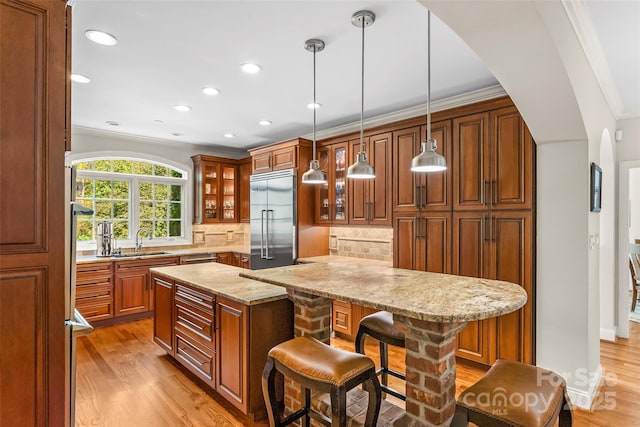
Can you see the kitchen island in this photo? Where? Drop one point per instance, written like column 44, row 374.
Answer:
column 430, row 308
column 220, row 327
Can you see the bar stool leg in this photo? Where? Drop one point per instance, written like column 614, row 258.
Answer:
column 307, row 404
column 372, row 386
column 338, row 406
column 460, row 418
column 566, row 419
column 274, row 408
column 384, row 362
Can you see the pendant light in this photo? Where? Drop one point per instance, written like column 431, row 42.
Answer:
column 361, row 169
column 428, row 160
column 314, row 175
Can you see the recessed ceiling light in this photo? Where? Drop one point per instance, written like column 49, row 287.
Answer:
column 112, row 123
column 313, row 105
column 80, row 78
column 250, row 68
column 265, row 123
column 182, row 108
column 176, row 134
column 101, row 37
column 210, row 90
column 158, row 121
column 229, row 135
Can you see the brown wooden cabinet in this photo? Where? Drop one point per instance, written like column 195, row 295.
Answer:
column 215, row 190
column 494, row 157
column 346, row 316
column 423, row 241
column 331, row 198
column 279, row 156
column 225, row 258
column 132, row 284
column 370, row 201
column 496, row 245
column 428, row 191
column 163, row 319
column 232, row 378
column 244, row 172
column 94, row 290
column 33, row 339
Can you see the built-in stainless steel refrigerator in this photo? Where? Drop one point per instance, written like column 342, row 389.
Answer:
column 273, row 219
column 75, row 324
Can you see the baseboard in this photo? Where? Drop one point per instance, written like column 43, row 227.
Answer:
column 608, row 334
column 584, row 399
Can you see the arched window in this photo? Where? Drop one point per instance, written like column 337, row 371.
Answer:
column 132, row 194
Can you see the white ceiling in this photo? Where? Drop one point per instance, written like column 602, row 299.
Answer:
column 168, row 50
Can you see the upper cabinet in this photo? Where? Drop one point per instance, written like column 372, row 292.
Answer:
column 275, row 157
column 244, row 172
column 331, row 200
column 493, row 161
column 215, row 190
column 369, row 202
column 428, row 191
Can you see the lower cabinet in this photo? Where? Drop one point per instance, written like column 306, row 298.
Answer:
column 346, row 317
column 221, row 341
column 94, row 290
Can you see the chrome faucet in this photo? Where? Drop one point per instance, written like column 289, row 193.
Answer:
column 139, row 239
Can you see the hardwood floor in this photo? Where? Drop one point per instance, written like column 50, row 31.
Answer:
column 124, row 379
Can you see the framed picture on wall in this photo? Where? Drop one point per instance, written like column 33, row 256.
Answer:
column 596, row 188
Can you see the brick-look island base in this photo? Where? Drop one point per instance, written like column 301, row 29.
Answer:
column 430, row 308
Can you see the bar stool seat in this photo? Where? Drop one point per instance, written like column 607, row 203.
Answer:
column 317, row 366
column 380, row 326
column 515, row 394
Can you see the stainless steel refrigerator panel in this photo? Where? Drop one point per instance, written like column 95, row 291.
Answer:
column 273, row 228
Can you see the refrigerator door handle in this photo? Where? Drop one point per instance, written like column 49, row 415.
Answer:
column 79, row 326
column 269, row 210
column 262, row 255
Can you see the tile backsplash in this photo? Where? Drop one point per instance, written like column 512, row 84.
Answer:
column 362, row 242
column 205, row 235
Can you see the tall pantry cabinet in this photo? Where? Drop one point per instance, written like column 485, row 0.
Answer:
column 35, row 86
column 484, row 227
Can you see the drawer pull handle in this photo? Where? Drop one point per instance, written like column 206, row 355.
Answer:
column 190, row 323
column 192, row 359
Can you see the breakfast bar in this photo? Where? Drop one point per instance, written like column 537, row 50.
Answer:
column 430, row 308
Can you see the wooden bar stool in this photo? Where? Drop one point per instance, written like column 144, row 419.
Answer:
column 317, row 366
column 514, row 394
column 380, row 326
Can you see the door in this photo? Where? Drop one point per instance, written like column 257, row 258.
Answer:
column 406, row 145
column 132, row 292
column 163, row 313
column 436, row 187
column 471, row 177
column 359, row 208
column 433, row 250
column 232, row 377
column 33, row 338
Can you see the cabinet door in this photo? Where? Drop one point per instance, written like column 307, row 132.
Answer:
column 406, row 145
column 470, row 258
column 245, row 261
column 261, row 162
column 436, row 187
column 228, row 193
column 210, row 192
column 284, row 158
column 358, row 203
column 224, row 258
column 511, row 253
column 379, row 194
column 244, row 170
column 512, row 158
column 405, row 240
column 342, row 316
column 163, row 314
column 433, row 247
column 471, row 162
column 324, row 192
column 132, row 292
column 231, row 325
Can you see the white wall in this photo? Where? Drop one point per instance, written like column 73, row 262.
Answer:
column 607, row 239
column 634, row 205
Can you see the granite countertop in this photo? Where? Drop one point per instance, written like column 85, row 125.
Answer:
column 223, row 280
column 246, row 250
column 416, row 294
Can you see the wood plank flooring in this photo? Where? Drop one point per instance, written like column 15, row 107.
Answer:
column 125, row 380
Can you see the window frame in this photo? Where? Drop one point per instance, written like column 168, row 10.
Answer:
column 186, row 182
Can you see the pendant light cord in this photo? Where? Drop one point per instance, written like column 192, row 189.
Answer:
column 362, row 93
column 428, row 75
column 315, row 105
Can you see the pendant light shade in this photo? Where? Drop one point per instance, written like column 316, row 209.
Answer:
column 314, row 175
column 428, row 160
column 361, row 169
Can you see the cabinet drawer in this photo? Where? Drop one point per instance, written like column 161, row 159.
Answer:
column 198, row 300
column 97, row 308
column 342, row 317
column 94, row 268
column 197, row 324
column 94, row 290
column 195, row 358
column 122, row 266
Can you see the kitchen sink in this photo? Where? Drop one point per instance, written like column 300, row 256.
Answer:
column 141, row 254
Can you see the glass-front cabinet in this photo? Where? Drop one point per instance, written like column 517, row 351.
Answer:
column 215, row 190
column 332, row 197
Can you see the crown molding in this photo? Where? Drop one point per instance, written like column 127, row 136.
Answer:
column 582, row 24
column 484, row 94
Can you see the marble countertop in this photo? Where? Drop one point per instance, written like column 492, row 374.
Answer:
column 416, row 294
column 80, row 259
column 223, row 280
